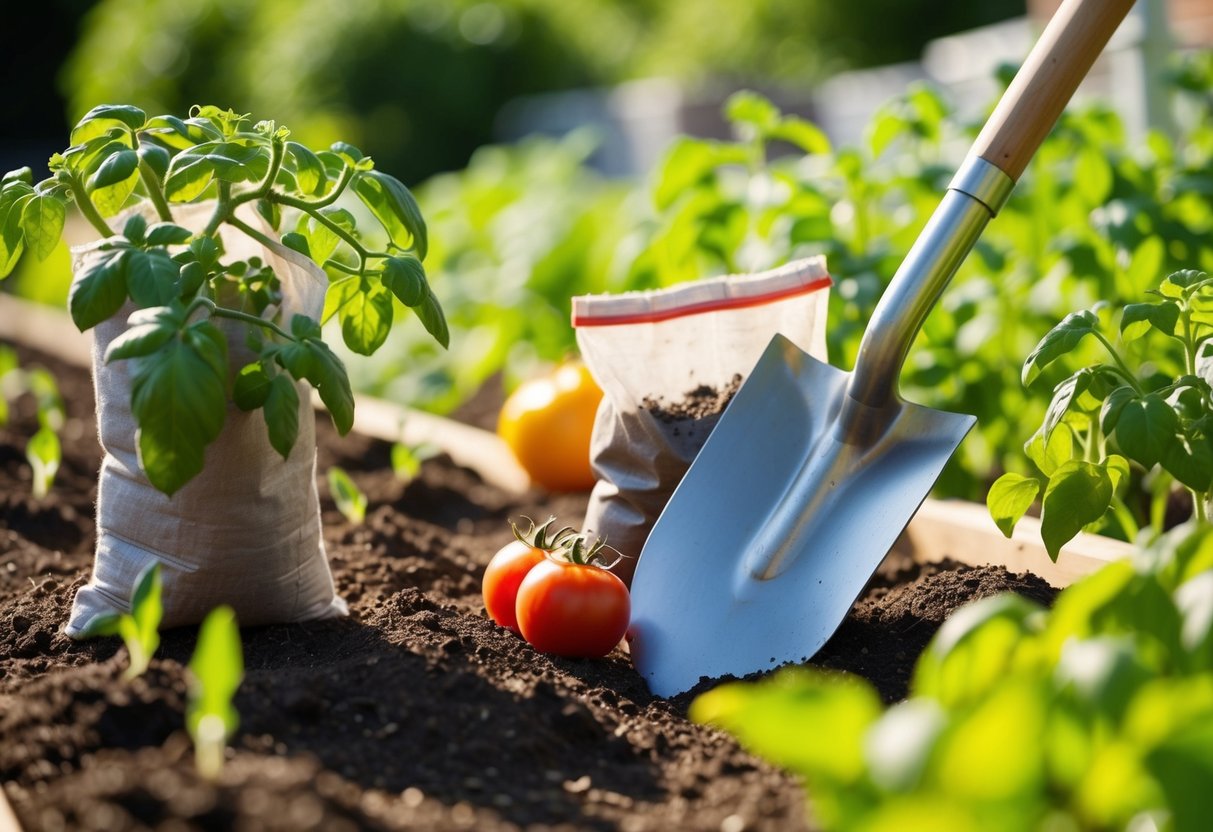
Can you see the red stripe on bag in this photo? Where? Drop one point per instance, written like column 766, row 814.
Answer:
column 699, row 308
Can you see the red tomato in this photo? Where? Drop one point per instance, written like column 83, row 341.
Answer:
column 572, row 609
column 502, row 577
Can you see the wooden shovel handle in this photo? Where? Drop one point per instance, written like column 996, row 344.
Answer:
column 1057, row 64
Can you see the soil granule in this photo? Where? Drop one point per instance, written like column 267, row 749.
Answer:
column 416, row 712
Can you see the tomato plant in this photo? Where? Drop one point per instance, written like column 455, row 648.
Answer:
column 570, row 605
column 512, row 563
column 547, row 423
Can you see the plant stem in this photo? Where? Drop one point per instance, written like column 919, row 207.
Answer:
column 347, row 173
column 1123, row 368
column 218, row 311
column 223, row 209
column 1198, row 506
column 1126, row 519
column 87, row 208
column 348, row 238
column 236, row 222
column 154, row 190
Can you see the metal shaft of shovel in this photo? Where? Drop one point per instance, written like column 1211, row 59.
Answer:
column 812, row 473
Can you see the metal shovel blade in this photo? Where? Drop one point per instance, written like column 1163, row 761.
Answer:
column 784, row 535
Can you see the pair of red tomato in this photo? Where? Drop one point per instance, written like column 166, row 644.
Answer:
column 551, row 593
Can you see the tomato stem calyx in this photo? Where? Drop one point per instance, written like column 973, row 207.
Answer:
column 542, row 536
column 577, row 549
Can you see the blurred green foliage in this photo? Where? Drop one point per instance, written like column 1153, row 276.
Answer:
column 418, row 83
column 1095, row 715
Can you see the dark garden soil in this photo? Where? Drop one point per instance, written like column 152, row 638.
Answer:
column 416, row 712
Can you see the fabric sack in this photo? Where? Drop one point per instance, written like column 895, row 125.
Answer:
column 246, row 530
column 668, row 361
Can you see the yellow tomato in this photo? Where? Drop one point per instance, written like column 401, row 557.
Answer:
column 547, row 423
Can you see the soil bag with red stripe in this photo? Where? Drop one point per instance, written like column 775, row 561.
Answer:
column 668, row 361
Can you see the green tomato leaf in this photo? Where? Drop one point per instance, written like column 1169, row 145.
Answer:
column 366, row 318
column 691, row 162
column 152, row 277
column 251, row 386
column 1178, row 284
column 394, row 206
column 147, row 331
column 282, row 414
column 433, row 319
column 1060, row 340
column 297, row 242
column 1052, row 454
column 189, row 178
column 973, row 651
column 25, row 174
column 156, row 158
column 1137, row 319
column 1078, row 493
column 321, row 242
column 102, row 118
column 270, row 212
column 1092, row 176
column 1009, row 498
column 804, row 134
column 348, row 153
column 1064, row 396
column 179, row 399
column 168, row 234
column 116, row 167
column 1113, row 406
column 1118, row 471
column 1189, row 461
column 135, row 228
column 405, row 277
column 12, row 233
column 1146, row 429
column 311, row 359
column 181, row 134
column 309, row 170
column 42, row 220
column 100, row 290
column 193, row 275
column 753, row 111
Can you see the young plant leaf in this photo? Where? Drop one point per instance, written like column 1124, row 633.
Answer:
column 1078, row 493
column 100, row 289
column 1138, row 318
column 1145, row 429
column 405, row 277
column 351, row 502
column 115, row 168
column 44, row 455
column 366, row 318
column 1060, row 340
column 309, row 170
column 152, row 277
column 1009, row 499
column 168, row 234
column 42, row 220
column 1190, row 461
column 216, row 670
column 395, row 208
column 281, row 411
column 147, row 330
column 311, row 359
column 104, row 117
column 12, row 232
column 433, row 320
column 179, row 398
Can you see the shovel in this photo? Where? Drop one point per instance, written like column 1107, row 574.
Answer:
column 812, row 472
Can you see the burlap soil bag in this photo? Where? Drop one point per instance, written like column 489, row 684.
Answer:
column 667, row 361
column 246, row 530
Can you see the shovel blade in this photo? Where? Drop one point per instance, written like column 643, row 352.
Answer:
column 778, row 524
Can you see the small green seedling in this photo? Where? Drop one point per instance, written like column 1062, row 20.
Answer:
column 139, row 629
column 407, row 459
column 216, row 668
column 350, row 501
column 44, row 455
